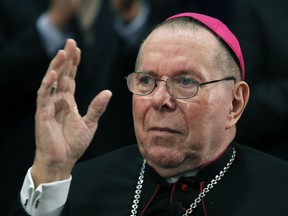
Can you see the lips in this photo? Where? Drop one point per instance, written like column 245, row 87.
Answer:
column 163, row 129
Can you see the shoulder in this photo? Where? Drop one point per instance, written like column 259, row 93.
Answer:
column 257, row 161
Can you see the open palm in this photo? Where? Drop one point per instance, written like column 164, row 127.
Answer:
column 62, row 135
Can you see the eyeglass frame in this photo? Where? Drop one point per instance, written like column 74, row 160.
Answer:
column 198, row 84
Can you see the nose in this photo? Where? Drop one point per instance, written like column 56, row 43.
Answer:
column 161, row 87
column 161, row 98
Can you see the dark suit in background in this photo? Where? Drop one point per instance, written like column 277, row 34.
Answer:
column 262, row 29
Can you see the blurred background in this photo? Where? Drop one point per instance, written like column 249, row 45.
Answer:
column 109, row 33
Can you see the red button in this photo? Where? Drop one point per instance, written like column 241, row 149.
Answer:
column 184, row 187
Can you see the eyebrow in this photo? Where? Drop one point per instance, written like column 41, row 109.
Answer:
column 174, row 73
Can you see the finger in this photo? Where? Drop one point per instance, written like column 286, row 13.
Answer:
column 49, row 82
column 57, row 61
column 76, row 62
column 70, row 48
column 72, row 75
column 73, row 71
column 71, row 52
column 67, row 71
column 97, row 108
column 47, row 89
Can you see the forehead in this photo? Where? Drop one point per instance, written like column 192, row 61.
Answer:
column 176, row 49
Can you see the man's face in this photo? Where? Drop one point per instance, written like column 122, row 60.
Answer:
column 176, row 135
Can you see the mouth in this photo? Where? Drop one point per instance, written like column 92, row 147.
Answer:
column 163, row 130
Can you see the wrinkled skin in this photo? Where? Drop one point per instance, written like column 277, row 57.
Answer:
column 62, row 135
column 177, row 135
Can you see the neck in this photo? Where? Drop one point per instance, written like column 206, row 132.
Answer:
column 190, row 165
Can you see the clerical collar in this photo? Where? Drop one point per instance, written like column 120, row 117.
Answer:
column 174, row 179
column 192, row 173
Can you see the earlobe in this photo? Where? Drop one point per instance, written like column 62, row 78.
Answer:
column 240, row 99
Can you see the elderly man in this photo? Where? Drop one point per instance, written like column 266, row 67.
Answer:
column 188, row 94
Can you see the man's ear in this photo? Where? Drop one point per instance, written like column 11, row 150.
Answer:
column 240, row 99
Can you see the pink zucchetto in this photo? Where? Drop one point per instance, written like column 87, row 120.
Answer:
column 219, row 29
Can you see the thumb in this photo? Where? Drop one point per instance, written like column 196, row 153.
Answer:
column 97, row 107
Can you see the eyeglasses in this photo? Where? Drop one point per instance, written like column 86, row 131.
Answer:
column 182, row 86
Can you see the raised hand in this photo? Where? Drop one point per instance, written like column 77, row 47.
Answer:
column 62, row 135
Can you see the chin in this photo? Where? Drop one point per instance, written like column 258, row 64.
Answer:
column 164, row 159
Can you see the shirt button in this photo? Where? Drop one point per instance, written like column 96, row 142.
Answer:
column 184, row 187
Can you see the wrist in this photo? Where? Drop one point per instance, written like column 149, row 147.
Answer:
column 49, row 173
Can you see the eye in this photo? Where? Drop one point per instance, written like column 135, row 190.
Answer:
column 145, row 79
column 184, row 81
